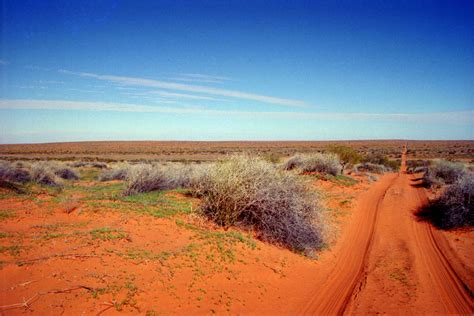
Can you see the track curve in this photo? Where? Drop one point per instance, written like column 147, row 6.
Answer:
column 388, row 262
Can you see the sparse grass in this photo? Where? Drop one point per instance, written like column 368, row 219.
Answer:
column 13, row 250
column 106, row 234
column 222, row 242
column 400, row 275
column 340, row 179
column 6, row 214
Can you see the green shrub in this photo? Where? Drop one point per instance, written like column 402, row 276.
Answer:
column 347, row 155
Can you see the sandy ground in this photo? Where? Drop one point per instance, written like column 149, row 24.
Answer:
column 85, row 252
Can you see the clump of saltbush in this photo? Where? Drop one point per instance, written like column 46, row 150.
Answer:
column 371, row 167
column 328, row 163
column 146, row 178
column 253, row 192
column 443, row 172
column 324, row 163
column 43, row 173
column 455, row 207
column 381, row 159
column 116, row 173
column 11, row 173
column 93, row 164
column 64, row 172
column 294, row 162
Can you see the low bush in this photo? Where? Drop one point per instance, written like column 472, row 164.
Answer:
column 9, row 172
column 381, row 159
column 93, row 164
column 294, row 162
column 43, row 173
column 371, row 167
column 117, row 173
column 324, row 163
column 65, row 172
column 347, row 155
column 146, row 178
column 442, row 171
column 254, row 193
column 455, row 207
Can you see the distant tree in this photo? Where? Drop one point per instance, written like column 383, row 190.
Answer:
column 346, row 154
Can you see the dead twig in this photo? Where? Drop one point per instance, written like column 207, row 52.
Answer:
column 109, row 306
column 72, row 255
column 27, row 303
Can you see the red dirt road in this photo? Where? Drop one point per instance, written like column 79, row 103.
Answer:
column 388, row 262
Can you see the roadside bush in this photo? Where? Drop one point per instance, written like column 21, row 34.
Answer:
column 455, row 207
column 442, row 171
column 43, row 173
column 254, row 193
column 11, row 173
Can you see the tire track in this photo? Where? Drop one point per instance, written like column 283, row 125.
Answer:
column 455, row 294
column 441, row 289
column 349, row 268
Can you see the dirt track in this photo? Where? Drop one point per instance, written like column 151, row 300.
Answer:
column 388, row 262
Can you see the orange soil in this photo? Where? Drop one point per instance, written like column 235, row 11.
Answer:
column 384, row 261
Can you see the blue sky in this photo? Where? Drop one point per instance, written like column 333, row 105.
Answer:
column 236, row 70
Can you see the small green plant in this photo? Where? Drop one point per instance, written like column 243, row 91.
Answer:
column 14, row 250
column 106, row 233
column 6, row 214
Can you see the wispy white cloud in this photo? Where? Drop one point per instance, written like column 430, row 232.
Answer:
column 192, row 77
column 3, row 62
column 459, row 117
column 182, row 95
column 190, row 88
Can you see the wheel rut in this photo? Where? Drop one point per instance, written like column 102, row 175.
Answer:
column 388, row 262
